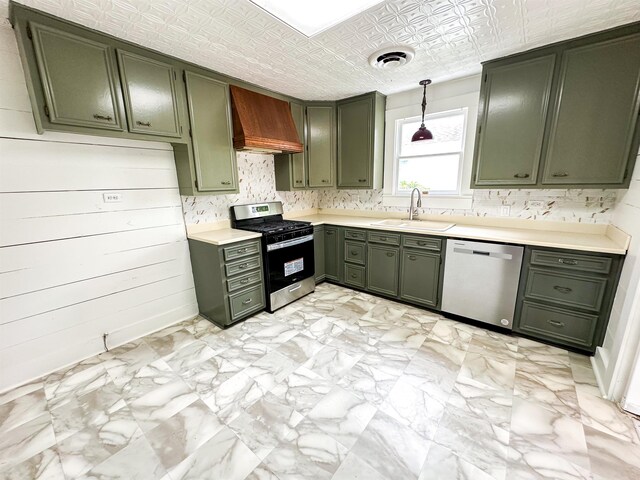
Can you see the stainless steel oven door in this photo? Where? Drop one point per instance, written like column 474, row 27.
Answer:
column 289, row 262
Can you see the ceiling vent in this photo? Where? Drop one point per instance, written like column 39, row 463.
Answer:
column 390, row 58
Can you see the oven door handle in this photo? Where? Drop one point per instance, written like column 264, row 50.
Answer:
column 289, row 243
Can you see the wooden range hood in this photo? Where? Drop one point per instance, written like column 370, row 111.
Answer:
column 262, row 123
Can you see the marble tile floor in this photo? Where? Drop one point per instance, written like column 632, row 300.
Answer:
column 339, row 385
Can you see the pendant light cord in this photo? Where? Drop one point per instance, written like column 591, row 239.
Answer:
column 424, row 102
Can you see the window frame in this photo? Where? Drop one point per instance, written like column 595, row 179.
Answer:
column 464, row 94
column 396, row 191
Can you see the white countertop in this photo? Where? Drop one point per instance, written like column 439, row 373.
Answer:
column 613, row 241
column 588, row 242
column 222, row 236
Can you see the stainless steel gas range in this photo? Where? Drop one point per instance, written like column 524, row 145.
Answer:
column 287, row 249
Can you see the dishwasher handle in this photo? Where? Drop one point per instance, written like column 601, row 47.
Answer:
column 484, row 253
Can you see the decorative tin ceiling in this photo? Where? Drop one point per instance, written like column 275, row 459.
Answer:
column 450, row 37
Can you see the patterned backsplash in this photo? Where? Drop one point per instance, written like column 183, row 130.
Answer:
column 257, row 184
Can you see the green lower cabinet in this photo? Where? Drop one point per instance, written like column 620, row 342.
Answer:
column 382, row 269
column 565, row 297
column 332, row 253
column 420, row 277
column 318, row 252
column 355, row 275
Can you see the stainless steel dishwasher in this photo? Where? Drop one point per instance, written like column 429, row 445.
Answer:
column 481, row 281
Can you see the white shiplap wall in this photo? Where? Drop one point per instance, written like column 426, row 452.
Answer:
column 73, row 267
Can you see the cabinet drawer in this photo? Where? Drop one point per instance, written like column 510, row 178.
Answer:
column 572, row 261
column 242, row 266
column 566, row 289
column 557, row 324
column 247, row 301
column 237, row 283
column 351, row 234
column 354, row 252
column 354, row 275
column 243, row 250
column 382, row 237
column 425, row 243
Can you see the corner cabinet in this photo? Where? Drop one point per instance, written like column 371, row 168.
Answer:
column 321, row 146
column 562, row 116
column 214, row 159
column 361, row 141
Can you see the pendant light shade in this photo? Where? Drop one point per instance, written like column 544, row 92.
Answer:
column 423, row 133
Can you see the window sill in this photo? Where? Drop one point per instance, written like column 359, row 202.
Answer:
column 444, row 202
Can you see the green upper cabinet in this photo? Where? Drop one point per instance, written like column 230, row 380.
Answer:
column 514, row 103
column 564, row 116
column 596, row 114
column 150, row 95
column 321, row 145
column 78, row 79
column 211, row 130
column 361, row 141
column 291, row 168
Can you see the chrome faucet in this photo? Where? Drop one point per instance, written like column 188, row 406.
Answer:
column 413, row 211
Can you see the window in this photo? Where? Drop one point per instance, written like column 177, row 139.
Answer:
column 434, row 165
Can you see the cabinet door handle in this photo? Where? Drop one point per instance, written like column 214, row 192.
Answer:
column 567, row 261
column 353, row 275
column 354, row 252
column 247, row 301
column 560, row 174
column 556, row 323
column 362, row 180
column 226, row 182
column 331, row 232
column 390, row 254
column 521, row 175
column 412, row 257
column 562, row 289
column 107, row 118
column 298, row 181
column 143, row 124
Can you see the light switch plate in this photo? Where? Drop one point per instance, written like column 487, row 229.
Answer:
column 505, row 210
column 112, row 197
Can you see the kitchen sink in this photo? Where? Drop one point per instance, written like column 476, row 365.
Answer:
column 415, row 224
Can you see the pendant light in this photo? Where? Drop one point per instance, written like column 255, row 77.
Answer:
column 423, row 133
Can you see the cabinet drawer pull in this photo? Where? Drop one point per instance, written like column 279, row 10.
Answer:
column 107, row 118
column 563, row 289
column 226, row 182
column 390, row 254
column 521, row 175
column 412, row 257
column 353, row 275
column 247, row 301
column 243, row 266
column 422, row 244
column 556, row 323
column 560, row 174
column 567, row 261
column 383, row 239
column 244, row 281
column 143, row 124
column 325, row 181
column 354, row 252
column 362, row 180
column 242, row 250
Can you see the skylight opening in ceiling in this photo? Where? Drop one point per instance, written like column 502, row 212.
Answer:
column 311, row 17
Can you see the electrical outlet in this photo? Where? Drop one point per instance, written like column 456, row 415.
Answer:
column 535, row 204
column 112, row 197
column 505, row 210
